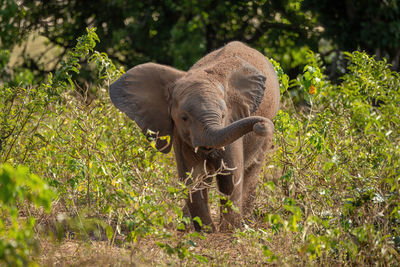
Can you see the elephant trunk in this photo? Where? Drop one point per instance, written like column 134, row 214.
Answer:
column 216, row 137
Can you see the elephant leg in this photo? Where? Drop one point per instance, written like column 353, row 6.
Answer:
column 252, row 174
column 231, row 186
column 255, row 154
column 197, row 201
column 197, row 204
column 231, row 204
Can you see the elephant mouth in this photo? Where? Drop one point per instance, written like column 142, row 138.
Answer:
column 212, row 154
column 207, row 149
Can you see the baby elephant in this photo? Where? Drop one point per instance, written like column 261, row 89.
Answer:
column 218, row 115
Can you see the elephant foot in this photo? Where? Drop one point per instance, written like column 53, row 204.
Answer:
column 188, row 225
column 226, row 227
column 185, row 225
column 206, row 228
column 229, row 226
column 209, row 228
column 230, row 221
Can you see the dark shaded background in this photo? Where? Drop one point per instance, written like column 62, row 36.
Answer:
column 179, row 32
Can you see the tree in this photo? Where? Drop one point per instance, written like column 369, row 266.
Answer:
column 178, row 33
column 370, row 25
column 172, row 32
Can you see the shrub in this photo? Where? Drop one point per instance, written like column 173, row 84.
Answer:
column 331, row 188
column 340, row 161
column 108, row 177
column 17, row 186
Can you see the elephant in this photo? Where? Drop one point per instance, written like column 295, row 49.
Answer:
column 218, row 116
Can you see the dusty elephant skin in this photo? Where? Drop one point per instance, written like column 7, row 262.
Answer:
column 218, row 112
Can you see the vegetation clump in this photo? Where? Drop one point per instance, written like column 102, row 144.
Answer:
column 329, row 191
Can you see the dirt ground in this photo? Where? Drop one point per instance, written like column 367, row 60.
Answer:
column 220, row 249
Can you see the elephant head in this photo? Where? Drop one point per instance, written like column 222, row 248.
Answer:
column 207, row 108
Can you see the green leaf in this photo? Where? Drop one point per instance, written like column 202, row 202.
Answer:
column 109, row 232
column 198, row 220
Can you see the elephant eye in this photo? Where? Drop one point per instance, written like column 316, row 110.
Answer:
column 184, row 117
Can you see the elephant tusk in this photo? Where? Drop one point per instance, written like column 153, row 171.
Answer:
column 223, row 148
column 196, row 149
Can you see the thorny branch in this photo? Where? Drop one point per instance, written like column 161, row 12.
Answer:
column 201, row 182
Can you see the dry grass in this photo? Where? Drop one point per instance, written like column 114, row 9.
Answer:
column 78, row 253
column 220, row 249
column 239, row 248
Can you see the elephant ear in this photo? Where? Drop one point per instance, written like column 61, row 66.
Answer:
column 247, row 87
column 142, row 94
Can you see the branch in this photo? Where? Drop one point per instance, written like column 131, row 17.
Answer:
column 264, row 26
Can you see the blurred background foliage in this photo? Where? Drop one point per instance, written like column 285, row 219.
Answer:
column 178, row 33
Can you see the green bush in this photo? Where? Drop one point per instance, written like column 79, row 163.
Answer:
column 331, row 187
column 18, row 186
column 340, row 162
column 108, row 176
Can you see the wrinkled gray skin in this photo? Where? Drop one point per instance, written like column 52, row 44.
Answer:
column 218, row 111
